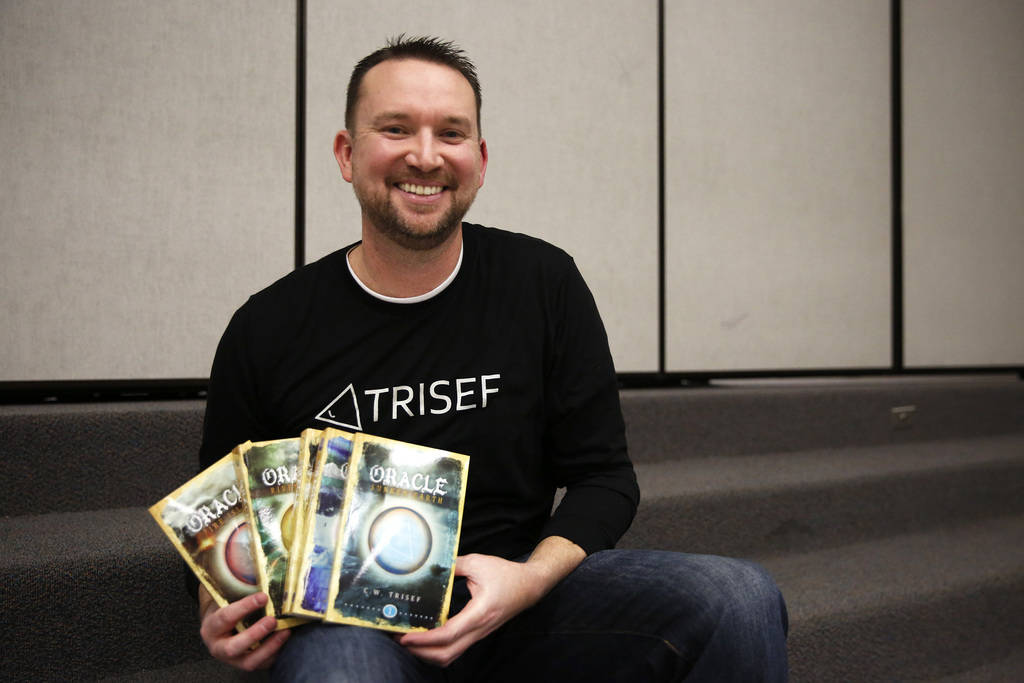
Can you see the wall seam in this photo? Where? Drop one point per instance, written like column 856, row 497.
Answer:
column 896, row 34
column 300, row 134
column 662, row 367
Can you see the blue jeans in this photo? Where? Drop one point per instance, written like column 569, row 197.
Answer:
column 622, row 615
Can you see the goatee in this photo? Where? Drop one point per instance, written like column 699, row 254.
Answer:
column 387, row 220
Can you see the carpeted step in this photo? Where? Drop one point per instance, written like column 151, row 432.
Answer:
column 104, row 589
column 945, row 603
column 890, row 513
column 92, row 456
column 119, row 575
column 111, row 455
column 794, row 502
column 1009, row 669
column 910, row 607
column 208, row 670
column 765, row 417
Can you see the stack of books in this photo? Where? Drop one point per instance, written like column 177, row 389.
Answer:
column 339, row 527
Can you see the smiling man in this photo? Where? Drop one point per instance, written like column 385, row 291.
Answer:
column 413, row 153
column 484, row 342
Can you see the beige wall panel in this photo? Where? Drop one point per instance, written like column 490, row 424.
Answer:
column 964, row 182
column 570, row 118
column 147, row 180
column 778, row 184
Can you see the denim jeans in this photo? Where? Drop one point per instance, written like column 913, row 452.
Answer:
column 622, row 615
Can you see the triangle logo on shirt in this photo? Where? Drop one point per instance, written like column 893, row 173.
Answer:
column 343, row 412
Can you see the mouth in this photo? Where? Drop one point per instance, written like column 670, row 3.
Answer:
column 421, row 190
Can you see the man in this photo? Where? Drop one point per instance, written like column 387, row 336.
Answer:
column 486, row 343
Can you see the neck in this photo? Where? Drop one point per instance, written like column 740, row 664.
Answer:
column 396, row 271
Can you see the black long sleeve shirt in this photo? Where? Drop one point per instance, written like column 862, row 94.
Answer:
column 509, row 364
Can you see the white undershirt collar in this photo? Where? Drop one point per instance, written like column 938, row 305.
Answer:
column 408, row 299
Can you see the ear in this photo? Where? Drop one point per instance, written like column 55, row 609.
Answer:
column 483, row 161
column 343, row 153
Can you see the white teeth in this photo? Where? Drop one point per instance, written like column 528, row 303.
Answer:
column 420, row 189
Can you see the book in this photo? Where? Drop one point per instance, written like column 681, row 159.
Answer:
column 352, row 529
column 269, row 472
column 308, row 446
column 207, row 521
column 399, row 535
column 315, row 556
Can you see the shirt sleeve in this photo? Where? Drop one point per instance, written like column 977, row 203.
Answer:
column 233, row 415
column 585, row 432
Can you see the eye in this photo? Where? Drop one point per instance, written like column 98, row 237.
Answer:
column 453, row 135
column 393, row 130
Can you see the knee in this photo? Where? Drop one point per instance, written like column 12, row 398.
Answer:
column 342, row 654
column 744, row 636
column 748, row 594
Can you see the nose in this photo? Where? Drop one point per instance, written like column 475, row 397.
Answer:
column 424, row 153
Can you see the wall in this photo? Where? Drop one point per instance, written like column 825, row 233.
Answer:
column 148, row 181
column 778, row 185
column 964, row 169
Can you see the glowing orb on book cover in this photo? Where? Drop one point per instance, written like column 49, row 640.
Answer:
column 232, row 563
column 400, row 540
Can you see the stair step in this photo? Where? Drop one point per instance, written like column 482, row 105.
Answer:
column 96, row 456
column 1008, row 669
column 132, row 453
column 763, row 417
column 795, row 502
column 916, row 605
column 897, row 541
column 912, row 606
column 116, row 573
column 208, row 670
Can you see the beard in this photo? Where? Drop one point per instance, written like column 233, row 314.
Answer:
column 384, row 216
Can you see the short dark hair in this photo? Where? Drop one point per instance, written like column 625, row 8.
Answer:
column 425, row 48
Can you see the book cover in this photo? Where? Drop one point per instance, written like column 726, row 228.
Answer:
column 207, row 521
column 308, row 447
column 316, row 557
column 269, row 471
column 399, row 535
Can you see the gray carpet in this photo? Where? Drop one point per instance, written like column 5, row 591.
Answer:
column 890, row 512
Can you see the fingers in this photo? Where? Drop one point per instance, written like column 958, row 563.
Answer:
column 240, row 644
column 489, row 579
column 264, row 655
column 217, row 622
column 435, row 637
column 443, row 645
column 464, row 565
column 255, row 647
column 440, row 654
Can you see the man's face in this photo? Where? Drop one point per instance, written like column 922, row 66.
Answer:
column 415, row 157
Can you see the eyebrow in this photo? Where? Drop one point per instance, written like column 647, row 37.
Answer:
column 451, row 119
column 389, row 116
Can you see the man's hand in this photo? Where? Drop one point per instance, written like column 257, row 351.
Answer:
column 499, row 590
column 237, row 649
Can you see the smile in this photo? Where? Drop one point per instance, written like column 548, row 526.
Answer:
column 425, row 190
